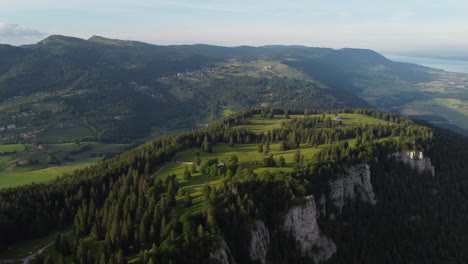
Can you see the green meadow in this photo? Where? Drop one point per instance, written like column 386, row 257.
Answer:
column 15, row 169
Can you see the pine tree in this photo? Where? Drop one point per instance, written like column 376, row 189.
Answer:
column 281, row 162
column 260, row 148
column 187, row 174
column 283, row 146
column 187, row 200
column 206, row 146
column 297, row 156
column 266, row 149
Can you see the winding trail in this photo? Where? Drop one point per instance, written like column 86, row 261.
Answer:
column 28, row 259
column 168, row 163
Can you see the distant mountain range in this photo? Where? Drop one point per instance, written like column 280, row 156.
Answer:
column 123, row 90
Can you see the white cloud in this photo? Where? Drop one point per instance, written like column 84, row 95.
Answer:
column 14, row 30
column 16, row 35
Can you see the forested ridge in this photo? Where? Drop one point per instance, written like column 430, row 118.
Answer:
column 127, row 90
column 130, row 213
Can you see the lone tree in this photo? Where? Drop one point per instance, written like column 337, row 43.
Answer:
column 266, row 149
column 206, row 146
column 187, row 174
column 187, row 200
column 281, row 162
column 260, row 148
column 297, row 156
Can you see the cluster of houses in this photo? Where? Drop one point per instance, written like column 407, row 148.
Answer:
column 8, row 127
column 462, row 106
column 266, row 69
column 23, row 114
column 199, row 73
column 39, row 146
column 31, row 134
column 8, row 137
column 68, row 124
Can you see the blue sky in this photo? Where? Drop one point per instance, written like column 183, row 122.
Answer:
column 381, row 25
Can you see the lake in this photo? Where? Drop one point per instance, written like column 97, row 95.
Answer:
column 446, row 65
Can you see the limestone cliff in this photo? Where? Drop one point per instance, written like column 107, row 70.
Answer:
column 353, row 184
column 415, row 160
column 301, row 222
column 259, row 242
column 222, row 254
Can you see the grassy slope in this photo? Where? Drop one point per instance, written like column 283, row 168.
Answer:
column 245, row 153
column 11, row 175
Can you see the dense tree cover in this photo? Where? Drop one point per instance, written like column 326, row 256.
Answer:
column 123, row 206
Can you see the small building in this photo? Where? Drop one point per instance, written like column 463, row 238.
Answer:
column 338, row 118
column 12, row 126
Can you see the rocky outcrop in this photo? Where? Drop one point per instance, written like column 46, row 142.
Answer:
column 353, row 184
column 415, row 160
column 259, row 242
column 301, row 223
column 222, row 254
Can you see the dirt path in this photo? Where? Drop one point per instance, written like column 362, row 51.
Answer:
column 28, row 259
column 168, row 163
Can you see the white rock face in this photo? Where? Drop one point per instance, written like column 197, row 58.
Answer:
column 322, row 206
column 354, row 183
column 259, row 242
column 301, row 222
column 416, row 160
column 223, row 254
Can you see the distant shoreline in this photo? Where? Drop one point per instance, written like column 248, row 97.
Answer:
column 443, row 64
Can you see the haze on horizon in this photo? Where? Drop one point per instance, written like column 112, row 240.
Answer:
column 379, row 25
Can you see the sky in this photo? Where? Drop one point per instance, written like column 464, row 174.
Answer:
column 380, row 25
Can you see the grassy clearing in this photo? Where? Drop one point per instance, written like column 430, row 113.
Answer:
column 357, row 119
column 25, row 176
column 12, row 175
column 12, row 147
column 259, row 124
column 12, row 105
column 245, row 153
